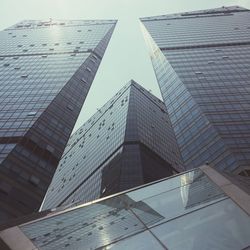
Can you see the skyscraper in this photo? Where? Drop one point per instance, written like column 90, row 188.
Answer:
column 128, row 142
column 46, row 70
column 201, row 60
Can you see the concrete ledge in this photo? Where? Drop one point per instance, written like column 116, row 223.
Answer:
column 216, row 177
column 239, row 196
column 15, row 239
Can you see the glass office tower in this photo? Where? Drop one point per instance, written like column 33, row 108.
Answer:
column 127, row 143
column 46, row 70
column 201, row 60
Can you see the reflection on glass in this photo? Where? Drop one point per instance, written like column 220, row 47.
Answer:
column 164, row 186
column 179, row 195
column 222, row 226
column 94, row 226
column 196, row 189
column 142, row 241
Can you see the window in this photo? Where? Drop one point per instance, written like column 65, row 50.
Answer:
column 83, row 80
column 33, row 113
column 104, row 190
column 5, row 187
column 245, row 172
column 34, row 180
column 70, row 107
column 50, row 148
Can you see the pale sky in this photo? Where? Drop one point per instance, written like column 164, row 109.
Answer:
column 126, row 56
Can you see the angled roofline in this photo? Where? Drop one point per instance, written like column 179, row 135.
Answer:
column 224, row 10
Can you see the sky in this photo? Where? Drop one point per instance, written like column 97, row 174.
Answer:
column 126, row 56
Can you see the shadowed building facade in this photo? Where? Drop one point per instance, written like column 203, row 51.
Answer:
column 127, row 143
column 201, row 60
column 46, row 70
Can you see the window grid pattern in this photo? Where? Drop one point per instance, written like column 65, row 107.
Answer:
column 45, row 80
column 104, row 156
column 205, row 83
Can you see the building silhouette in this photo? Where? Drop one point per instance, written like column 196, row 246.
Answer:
column 201, row 60
column 46, row 70
column 127, row 143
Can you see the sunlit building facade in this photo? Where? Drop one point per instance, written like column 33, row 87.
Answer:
column 201, row 60
column 46, row 70
column 127, row 143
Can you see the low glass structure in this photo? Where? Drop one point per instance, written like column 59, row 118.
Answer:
column 187, row 211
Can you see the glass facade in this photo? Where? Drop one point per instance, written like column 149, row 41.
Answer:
column 187, row 211
column 127, row 143
column 201, row 60
column 46, row 70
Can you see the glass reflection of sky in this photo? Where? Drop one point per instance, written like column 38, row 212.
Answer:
column 118, row 217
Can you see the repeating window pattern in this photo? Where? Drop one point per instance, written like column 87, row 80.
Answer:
column 202, row 70
column 46, row 70
column 107, row 154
